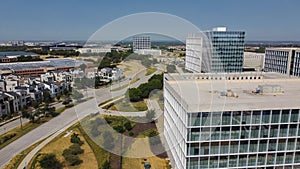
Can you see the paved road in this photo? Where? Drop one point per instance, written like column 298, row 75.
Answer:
column 58, row 124
column 11, row 125
column 16, row 123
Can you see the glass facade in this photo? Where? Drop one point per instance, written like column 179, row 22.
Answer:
column 228, row 50
column 243, row 139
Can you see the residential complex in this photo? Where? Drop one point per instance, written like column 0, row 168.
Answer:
column 232, row 120
column 283, row 60
column 227, row 49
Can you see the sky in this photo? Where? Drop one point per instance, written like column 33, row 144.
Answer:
column 270, row 20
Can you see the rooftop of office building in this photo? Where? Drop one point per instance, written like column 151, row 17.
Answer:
column 284, row 48
column 234, row 91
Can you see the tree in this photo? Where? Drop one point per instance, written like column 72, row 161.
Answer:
column 150, row 115
column 58, row 97
column 119, row 129
column 128, row 126
column 47, row 97
column 134, row 94
column 76, row 139
column 49, row 161
column 25, row 114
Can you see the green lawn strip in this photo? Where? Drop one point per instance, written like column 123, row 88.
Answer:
column 19, row 132
column 27, row 127
column 150, row 71
column 127, row 106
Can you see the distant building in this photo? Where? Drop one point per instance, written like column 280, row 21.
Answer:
column 94, row 50
column 141, row 42
column 226, row 53
column 254, row 60
column 232, row 120
column 283, row 60
column 111, row 73
column 153, row 52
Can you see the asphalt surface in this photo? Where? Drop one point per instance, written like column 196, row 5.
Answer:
column 59, row 123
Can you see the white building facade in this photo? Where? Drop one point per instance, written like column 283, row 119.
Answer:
column 227, row 121
column 283, row 60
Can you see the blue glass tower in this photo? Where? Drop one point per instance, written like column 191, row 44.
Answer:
column 228, row 50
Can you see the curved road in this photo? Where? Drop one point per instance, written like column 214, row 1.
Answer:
column 65, row 119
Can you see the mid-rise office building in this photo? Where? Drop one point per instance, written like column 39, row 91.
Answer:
column 283, row 60
column 141, row 42
column 235, row 120
column 227, row 49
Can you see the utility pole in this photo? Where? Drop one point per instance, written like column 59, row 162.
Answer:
column 21, row 121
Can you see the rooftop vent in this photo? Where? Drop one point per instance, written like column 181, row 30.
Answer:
column 229, row 93
column 269, row 89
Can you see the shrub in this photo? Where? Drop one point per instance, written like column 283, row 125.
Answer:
column 119, row 129
column 73, row 159
column 49, row 161
column 75, row 149
column 131, row 134
column 76, row 139
column 128, row 126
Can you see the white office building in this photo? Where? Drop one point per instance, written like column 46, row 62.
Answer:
column 283, row 60
column 234, row 120
column 141, row 42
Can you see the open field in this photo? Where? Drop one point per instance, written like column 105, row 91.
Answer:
column 150, row 71
column 130, row 68
column 127, row 106
column 141, row 149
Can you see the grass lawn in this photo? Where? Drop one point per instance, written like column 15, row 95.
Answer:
column 62, row 142
column 27, row 127
column 100, row 154
column 127, row 106
column 142, row 149
column 150, row 71
column 130, row 67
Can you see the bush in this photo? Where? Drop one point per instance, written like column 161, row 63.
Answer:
column 131, row 134
column 134, row 94
column 73, row 159
column 75, row 149
column 119, row 129
column 69, row 105
column 7, row 137
column 49, row 161
column 76, row 139
column 128, row 126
